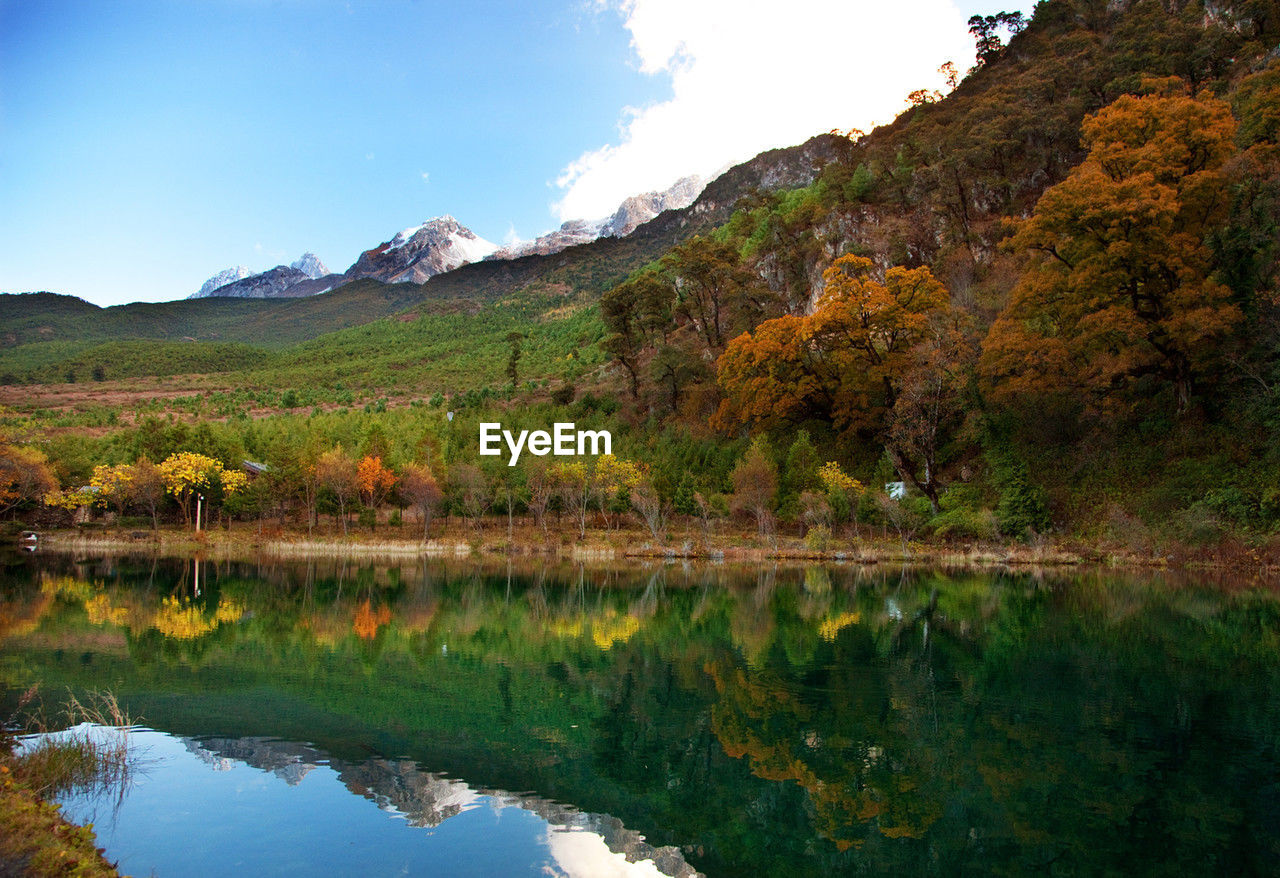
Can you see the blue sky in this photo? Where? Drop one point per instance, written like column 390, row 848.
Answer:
column 146, row 146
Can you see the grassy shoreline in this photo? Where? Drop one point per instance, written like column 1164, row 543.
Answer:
column 460, row 540
column 91, row 753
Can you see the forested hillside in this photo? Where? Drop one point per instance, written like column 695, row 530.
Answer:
column 1046, row 302
column 1052, row 292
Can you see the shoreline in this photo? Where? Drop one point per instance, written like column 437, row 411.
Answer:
column 623, row 545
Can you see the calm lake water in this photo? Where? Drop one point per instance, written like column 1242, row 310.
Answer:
column 356, row 718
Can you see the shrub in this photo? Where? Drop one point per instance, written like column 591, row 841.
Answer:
column 818, row 539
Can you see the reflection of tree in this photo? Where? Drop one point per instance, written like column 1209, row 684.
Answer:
column 793, row 722
column 368, row 621
column 851, row 781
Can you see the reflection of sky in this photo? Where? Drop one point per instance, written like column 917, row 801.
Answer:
column 182, row 817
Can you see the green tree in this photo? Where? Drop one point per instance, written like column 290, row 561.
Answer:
column 799, row 473
column 755, row 485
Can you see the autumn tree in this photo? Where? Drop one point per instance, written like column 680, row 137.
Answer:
column 111, row 484
column 844, row 361
column 847, row 362
column 336, row 472
column 187, row 474
column 1119, row 280
column 373, row 480
column 843, row 492
column 612, row 480
column 24, row 475
column 418, row 486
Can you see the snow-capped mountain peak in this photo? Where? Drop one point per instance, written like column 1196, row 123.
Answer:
column 310, row 265
column 634, row 212
column 221, row 279
column 422, row 251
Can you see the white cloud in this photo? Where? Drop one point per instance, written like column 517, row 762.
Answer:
column 426, row 177
column 749, row 75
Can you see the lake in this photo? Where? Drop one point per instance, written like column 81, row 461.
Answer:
column 466, row 718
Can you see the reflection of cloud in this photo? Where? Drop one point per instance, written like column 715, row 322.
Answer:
column 581, row 854
column 749, row 75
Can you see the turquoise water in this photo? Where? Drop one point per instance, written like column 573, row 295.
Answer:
column 331, row 718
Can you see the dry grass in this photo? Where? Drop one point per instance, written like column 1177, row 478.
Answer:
column 457, row 538
column 90, row 755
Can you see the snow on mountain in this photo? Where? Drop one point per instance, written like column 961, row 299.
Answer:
column 422, row 251
column 222, row 278
column 310, row 265
column 274, row 283
column 632, row 213
column 281, row 281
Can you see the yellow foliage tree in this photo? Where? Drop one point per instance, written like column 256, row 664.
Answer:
column 112, row 484
column 186, row 473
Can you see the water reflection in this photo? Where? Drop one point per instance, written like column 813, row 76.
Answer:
column 773, row 720
column 276, row 807
column 579, row 843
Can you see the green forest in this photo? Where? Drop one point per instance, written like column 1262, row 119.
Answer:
column 1044, row 303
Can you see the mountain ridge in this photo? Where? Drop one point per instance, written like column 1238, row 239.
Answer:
column 590, row 268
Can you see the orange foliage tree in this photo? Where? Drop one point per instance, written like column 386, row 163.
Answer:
column 847, row 362
column 843, row 361
column 24, row 475
column 373, row 480
column 1119, row 282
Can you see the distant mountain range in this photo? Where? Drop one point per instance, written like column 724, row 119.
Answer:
column 28, row 320
column 439, row 245
column 630, row 215
column 283, row 281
